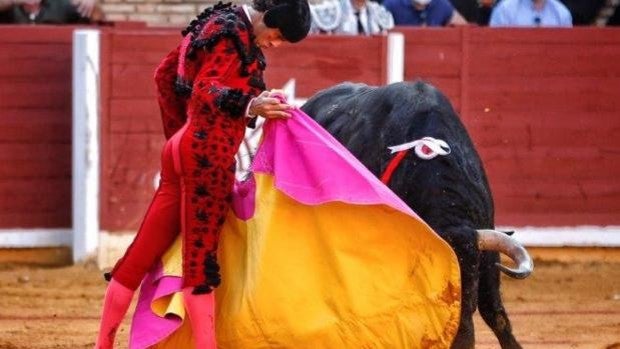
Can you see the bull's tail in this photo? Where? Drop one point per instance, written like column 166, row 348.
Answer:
column 490, row 301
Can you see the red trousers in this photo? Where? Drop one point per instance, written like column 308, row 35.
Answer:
column 193, row 198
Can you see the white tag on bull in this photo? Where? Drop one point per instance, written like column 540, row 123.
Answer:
column 426, row 148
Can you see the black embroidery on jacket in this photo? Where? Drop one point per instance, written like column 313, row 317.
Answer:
column 211, row 272
column 232, row 101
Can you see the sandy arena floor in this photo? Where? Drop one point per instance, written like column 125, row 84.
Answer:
column 560, row 306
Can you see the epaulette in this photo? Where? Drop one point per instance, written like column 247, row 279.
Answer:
column 327, row 15
column 381, row 16
column 196, row 25
column 214, row 24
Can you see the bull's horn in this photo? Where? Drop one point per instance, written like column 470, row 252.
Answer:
column 493, row 240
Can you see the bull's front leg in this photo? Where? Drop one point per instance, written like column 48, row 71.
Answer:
column 463, row 241
column 490, row 303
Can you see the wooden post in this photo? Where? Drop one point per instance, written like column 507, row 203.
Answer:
column 85, row 143
column 395, row 58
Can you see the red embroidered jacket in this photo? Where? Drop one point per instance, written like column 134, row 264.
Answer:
column 207, row 82
column 222, row 52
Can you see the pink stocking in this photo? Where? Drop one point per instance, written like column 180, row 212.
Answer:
column 201, row 309
column 115, row 305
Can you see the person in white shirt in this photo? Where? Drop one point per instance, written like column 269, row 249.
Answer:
column 531, row 13
column 350, row 17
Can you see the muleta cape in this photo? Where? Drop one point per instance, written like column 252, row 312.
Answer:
column 316, row 253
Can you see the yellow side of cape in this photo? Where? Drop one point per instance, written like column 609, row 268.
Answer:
column 334, row 275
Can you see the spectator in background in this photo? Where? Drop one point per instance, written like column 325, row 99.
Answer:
column 49, row 11
column 531, row 13
column 350, row 17
column 430, row 13
column 475, row 11
column 485, row 8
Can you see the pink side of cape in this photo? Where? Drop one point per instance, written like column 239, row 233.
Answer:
column 310, row 166
column 147, row 328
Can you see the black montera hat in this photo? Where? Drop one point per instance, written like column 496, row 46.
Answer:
column 292, row 17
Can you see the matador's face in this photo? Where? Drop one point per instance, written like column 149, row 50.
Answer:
column 266, row 37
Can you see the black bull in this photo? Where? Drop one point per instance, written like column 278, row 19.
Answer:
column 450, row 193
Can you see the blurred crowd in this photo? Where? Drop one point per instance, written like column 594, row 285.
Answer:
column 49, row 11
column 367, row 17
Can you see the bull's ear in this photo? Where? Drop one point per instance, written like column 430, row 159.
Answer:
column 508, row 232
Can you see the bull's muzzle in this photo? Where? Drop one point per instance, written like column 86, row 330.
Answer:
column 493, row 240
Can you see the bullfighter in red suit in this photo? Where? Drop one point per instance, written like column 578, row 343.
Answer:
column 207, row 88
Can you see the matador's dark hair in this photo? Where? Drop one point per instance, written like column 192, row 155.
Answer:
column 292, row 17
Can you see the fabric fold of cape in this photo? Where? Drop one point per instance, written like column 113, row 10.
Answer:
column 316, row 253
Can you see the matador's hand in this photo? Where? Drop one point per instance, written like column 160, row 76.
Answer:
column 267, row 106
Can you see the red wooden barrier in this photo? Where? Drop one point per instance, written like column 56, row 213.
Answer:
column 35, row 127
column 549, row 133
